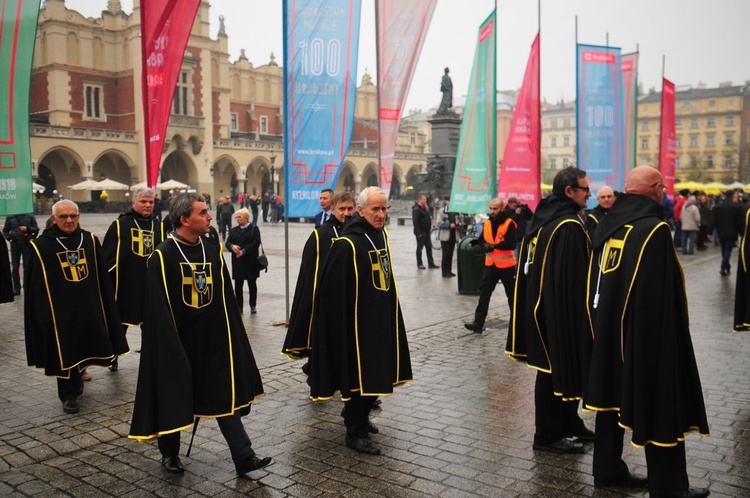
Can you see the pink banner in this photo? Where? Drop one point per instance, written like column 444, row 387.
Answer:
column 401, row 30
column 668, row 136
column 165, row 29
column 520, row 173
column 629, row 63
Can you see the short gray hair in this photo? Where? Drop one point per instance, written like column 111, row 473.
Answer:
column 144, row 192
column 64, row 202
column 364, row 196
column 182, row 205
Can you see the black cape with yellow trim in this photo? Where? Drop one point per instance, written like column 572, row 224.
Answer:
column 196, row 360
column 548, row 321
column 70, row 315
column 6, row 284
column 359, row 340
column 593, row 218
column 126, row 248
column 742, row 289
column 642, row 362
column 297, row 341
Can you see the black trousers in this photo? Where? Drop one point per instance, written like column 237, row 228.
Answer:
column 18, row 250
column 490, row 277
column 231, row 428
column 446, row 262
column 424, row 241
column 70, row 388
column 224, row 227
column 555, row 418
column 357, row 415
column 253, row 288
column 608, row 462
column 667, row 470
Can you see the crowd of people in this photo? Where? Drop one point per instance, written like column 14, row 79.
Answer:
column 566, row 272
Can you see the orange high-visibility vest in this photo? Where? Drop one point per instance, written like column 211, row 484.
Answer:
column 502, row 258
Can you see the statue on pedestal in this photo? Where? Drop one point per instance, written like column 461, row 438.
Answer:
column 446, row 86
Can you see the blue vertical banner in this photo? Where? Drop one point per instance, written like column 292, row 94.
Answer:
column 599, row 117
column 321, row 41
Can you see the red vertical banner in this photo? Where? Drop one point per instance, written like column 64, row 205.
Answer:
column 520, row 172
column 165, row 29
column 401, row 30
column 629, row 106
column 668, row 136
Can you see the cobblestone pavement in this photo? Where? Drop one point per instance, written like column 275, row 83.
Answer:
column 462, row 428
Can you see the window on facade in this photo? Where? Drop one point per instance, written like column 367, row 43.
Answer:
column 566, row 162
column 679, row 142
column 694, row 123
column 234, row 124
column 710, row 141
column 264, row 125
column 729, row 140
column 553, row 142
column 693, row 141
column 711, row 122
column 711, row 103
column 728, row 163
column 413, row 138
column 553, row 163
column 644, row 161
column 709, row 161
column 693, row 161
column 678, row 124
column 566, row 141
column 566, row 122
column 677, row 162
column 93, row 101
column 180, row 104
column 644, row 144
column 644, row 125
column 730, row 121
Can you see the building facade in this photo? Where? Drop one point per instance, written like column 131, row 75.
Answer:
column 225, row 134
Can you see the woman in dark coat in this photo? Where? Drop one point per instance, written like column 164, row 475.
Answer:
column 243, row 242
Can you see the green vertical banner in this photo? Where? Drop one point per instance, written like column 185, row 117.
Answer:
column 18, row 21
column 475, row 175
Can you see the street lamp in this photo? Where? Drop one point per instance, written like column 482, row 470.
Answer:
column 274, row 181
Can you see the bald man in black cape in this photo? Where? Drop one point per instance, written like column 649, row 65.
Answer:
column 643, row 374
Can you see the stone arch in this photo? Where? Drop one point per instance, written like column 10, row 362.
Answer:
column 226, row 171
column 258, row 176
column 412, row 179
column 397, row 186
column 369, row 176
column 58, row 169
column 178, row 165
column 347, row 181
column 98, row 52
column 73, row 52
column 115, row 165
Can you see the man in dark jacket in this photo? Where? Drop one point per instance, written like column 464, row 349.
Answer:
column 548, row 321
column 727, row 219
column 422, row 220
column 224, row 212
column 20, row 229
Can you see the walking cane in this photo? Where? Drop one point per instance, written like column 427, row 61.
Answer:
column 195, row 428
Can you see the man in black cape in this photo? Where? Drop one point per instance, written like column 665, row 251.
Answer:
column 70, row 315
column 128, row 243
column 196, row 359
column 643, row 374
column 359, row 345
column 742, row 289
column 605, row 197
column 548, row 322
column 6, row 282
column 297, row 342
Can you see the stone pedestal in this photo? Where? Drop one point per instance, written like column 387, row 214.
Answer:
column 446, row 131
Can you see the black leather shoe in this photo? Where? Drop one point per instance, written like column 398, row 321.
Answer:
column 474, row 327
column 376, row 405
column 432, row 267
column 421, row 267
column 690, row 493
column 172, row 464
column 584, row 435
column 70, row 406
column 449, row 275
column 626, row 480
column 561, row 446
column 252, row 463
column 362, row 445
column 114, row 366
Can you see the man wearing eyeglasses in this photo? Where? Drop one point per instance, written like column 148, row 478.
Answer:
column 548, row 320
column 71, row 319
column 643, row 373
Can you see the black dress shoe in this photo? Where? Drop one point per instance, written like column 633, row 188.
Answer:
column 474, row 327
column 584, row 435
column 172, row 464
column 432, row 267
column 449, row 275
column 562, row 446
column 362, row 445
column 250, row 464
column 421, row 267
column 376, row 405
column 70, row 406
column 626, row 480
column 690, row 493
column 114, row 366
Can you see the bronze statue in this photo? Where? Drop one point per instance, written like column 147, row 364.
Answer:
column 446, row 86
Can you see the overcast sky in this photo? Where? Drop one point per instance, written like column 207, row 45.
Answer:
column 703, row 40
